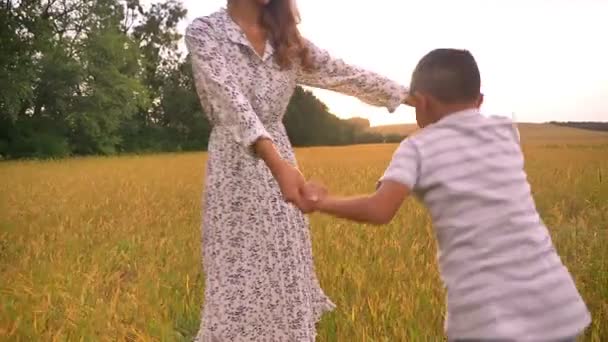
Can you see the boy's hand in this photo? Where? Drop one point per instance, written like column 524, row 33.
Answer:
column 377, row 208
column 314, row 193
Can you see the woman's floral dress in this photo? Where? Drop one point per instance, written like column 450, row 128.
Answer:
column 260, row 282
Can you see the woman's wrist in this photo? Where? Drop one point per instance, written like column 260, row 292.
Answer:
column 278, row 166
column 265, row 149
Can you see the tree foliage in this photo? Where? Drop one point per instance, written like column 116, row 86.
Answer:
column 82, row 77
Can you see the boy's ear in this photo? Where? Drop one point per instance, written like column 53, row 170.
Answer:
column 480, row 100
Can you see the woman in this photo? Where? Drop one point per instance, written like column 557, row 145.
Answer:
column 257, row 255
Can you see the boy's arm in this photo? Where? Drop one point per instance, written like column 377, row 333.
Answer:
column 399, row 180
column 377, row 208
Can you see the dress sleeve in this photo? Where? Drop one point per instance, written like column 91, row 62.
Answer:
column 213, row 77
column 334, row 74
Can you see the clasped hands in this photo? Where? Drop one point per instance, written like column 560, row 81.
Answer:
column 296, row 190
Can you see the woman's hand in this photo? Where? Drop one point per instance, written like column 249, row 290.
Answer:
column 314, row 192
column 290, row 181
column 410, row 100
column 305, row 195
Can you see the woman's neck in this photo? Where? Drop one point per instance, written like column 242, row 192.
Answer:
column 245, row 13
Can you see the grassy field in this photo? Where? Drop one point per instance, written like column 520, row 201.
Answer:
column 108, row 249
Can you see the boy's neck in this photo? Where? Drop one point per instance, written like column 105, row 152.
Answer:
column 448, row 110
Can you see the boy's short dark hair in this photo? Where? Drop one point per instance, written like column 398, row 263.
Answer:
column 449, row 75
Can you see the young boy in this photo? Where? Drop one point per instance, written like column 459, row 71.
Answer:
column 503, row 277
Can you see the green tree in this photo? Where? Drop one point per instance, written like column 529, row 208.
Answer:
column 110, row 93
column 106, row 76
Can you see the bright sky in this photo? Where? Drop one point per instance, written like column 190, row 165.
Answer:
column 541, row 60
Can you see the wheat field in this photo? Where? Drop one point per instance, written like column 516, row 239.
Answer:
column 108, row 249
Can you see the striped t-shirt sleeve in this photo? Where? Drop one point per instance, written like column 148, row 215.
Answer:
column 404, row 167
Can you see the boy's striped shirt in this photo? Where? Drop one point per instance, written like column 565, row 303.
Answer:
column 503, row 276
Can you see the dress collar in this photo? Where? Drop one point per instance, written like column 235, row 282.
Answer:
column 235, row 34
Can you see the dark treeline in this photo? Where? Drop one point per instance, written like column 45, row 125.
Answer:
column 590, row 125
column 84, row 77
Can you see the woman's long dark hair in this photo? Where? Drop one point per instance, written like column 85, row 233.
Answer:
column 280, row 18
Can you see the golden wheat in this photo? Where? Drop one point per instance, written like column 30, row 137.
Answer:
column 108, row 249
